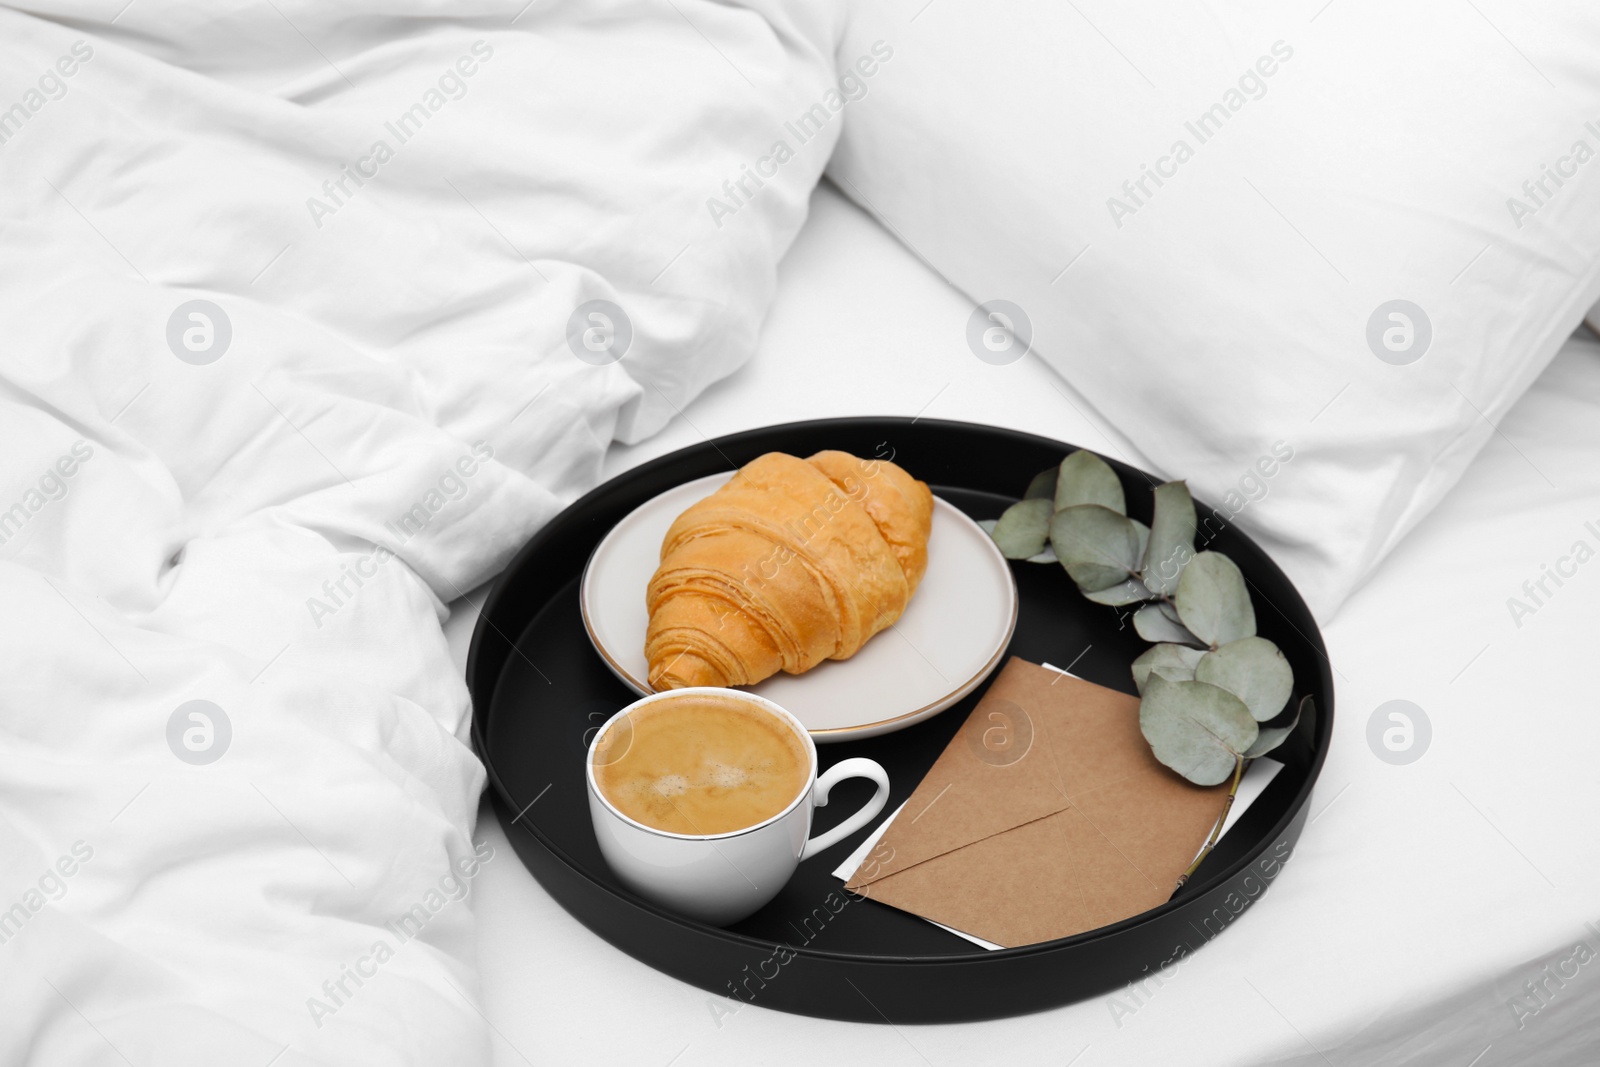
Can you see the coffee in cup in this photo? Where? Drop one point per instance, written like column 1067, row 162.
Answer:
column 702, row 799
column 702, row 764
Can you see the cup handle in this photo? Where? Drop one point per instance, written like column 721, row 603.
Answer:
column 855, row 767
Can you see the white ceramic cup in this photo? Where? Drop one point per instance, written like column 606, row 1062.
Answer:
column 721, row 878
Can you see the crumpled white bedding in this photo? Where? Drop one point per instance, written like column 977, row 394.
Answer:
column 261, row 502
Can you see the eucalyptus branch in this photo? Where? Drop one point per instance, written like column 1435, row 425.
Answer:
column 1209, row 683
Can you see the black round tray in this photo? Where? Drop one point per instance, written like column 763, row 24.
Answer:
column 538, row 688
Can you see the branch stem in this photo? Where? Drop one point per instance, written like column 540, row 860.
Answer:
column 1216, row 830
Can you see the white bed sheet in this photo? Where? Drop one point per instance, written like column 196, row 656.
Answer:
column 1421, row 898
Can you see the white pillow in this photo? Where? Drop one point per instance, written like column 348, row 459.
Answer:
column 1204, row 211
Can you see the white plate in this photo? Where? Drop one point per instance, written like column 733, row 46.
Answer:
column 950, row 638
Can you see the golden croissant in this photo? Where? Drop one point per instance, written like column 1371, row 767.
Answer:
column 792, row 562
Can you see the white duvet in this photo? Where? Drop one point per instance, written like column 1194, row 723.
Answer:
column 296, row 345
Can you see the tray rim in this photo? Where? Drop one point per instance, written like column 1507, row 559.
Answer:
column 1280, row 828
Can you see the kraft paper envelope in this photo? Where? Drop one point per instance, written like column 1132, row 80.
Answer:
column 1047, row 815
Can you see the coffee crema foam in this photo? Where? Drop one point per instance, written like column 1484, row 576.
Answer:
column 701, row 765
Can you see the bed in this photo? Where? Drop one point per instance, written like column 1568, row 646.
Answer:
column 1434, row 911
column 312, row 314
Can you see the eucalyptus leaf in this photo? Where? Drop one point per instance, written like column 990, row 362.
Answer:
column 1131, row 591
column 988, row 525
column 1213, row 601
column 1198, row 730
column 1175, row 663
column 1270, row 737
column 1023, row 529
column 1043, row 486
column 1152, row 624
column 1085, row 478
column 1171, row 538
column 1097, row 546
column 1045, row 555
column 1253, row 670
